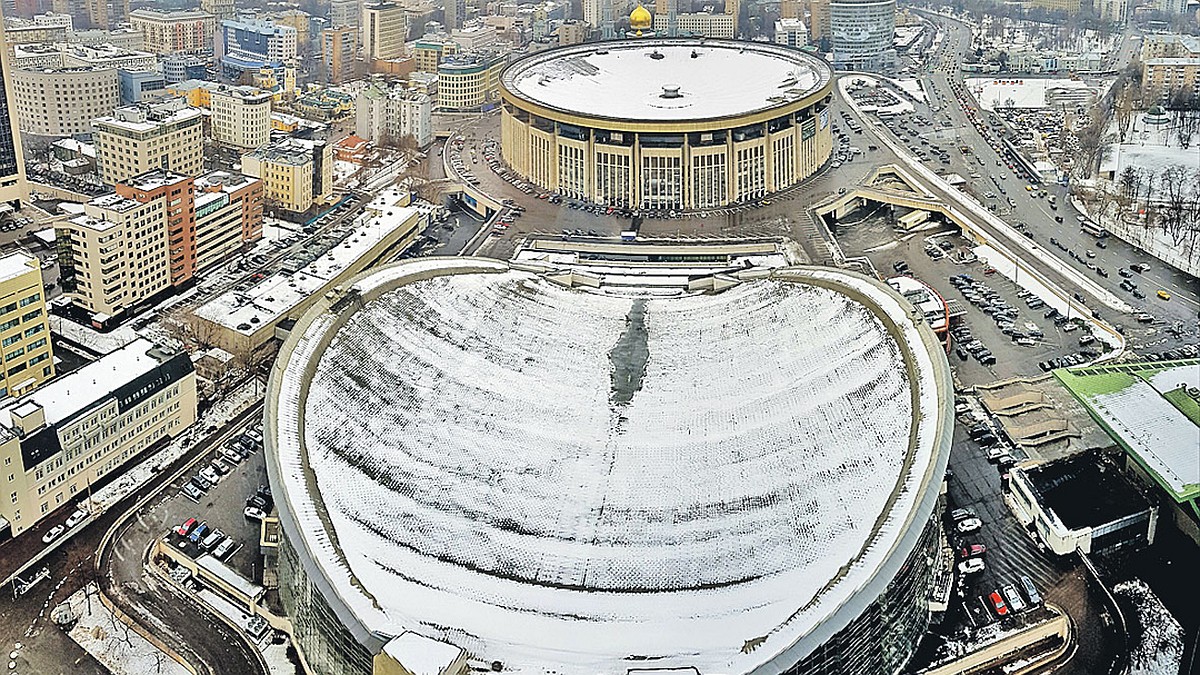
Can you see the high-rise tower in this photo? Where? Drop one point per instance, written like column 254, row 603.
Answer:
column 12, row 164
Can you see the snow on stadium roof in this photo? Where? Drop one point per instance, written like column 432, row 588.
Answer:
column 630, row 80
column 567, row 481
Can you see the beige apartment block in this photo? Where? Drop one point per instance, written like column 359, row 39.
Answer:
column 384, row 28
column 187, row 30
column 241, row 116
column 116, row 255
column 64, row 101
column 138, row 138
column 296, row 173
column 59, row 442
column 24, row 330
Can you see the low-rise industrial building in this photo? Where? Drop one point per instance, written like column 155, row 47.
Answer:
column 244, row 322
column 75, row 432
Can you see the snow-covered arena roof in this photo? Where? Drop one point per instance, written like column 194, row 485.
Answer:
column 569, row 481
column 666, row 80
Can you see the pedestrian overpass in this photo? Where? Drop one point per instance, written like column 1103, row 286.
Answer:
column 889, row 185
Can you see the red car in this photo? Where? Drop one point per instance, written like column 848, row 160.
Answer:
column 186, row 528
column 972, row 551
column 998, row 604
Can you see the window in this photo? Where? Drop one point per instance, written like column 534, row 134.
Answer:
column 10, row 341
column 25, row 302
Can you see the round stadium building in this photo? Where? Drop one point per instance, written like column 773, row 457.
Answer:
column 667, row 124
column 480, row 465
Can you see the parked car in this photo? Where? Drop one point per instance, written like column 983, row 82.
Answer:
column 186, row 528
column 222, row 550
column 971, row 566
column 1015, row 602
column 210, row 475
column 968, row 525
column 76, row 518
column 1031, row 591
column 998, row 605
column 972, row 551
column 54, row 533
column 193, row 492
column 254, row 513
column 962, row 514
column 199, row 533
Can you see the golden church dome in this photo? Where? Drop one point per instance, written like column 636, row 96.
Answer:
column 640, row 18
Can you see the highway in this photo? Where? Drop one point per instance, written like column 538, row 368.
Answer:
column 987, row 171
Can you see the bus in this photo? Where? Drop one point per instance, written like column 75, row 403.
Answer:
column 1093, row 229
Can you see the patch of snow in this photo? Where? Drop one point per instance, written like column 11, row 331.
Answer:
column 1160, row 649
column 114, row 644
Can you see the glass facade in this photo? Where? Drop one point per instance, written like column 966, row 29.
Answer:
column 883, row 638
column 8, row 148
column 328, row 646
column 879, row 641
column 863, row 34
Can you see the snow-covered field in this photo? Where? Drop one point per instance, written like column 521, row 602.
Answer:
column 1160, row 650
column 1005, row 92
column 114, row 644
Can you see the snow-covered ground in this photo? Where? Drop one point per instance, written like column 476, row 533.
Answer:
column 1151, row 148
column 997, row 92
column 1160, row 650
column 102, row 343
column 115, row 645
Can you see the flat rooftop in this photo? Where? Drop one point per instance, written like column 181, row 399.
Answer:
column 637, row 79
column 1084, row 492
column 1147, row 409
column 16, row 263
column 247, row 311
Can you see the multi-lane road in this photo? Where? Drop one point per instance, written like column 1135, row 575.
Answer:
column 987, row 172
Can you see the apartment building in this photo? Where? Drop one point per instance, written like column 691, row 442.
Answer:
column 296, row 173
column 706, row 24
column 1164, row 77
column 63, row 101
column 386, row 112
column 76, row 432
column 24, row 330
column 241, row 116
column 106, row 14
column 114, row 256
column 259, row 40
column 468, row 81
column 384, row 29
column 171, row 32
column 338, row 48
column 13, row 187
column 107, row 56
column 345, row 13
column 229, row 214
column 791, row 32
column 429, row 51
column 153, row 233
column 572, row 33
column 138, row 138
column 221, row 9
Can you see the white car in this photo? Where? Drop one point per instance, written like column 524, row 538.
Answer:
column 253, row 512
column 255, row 435
column 53, row 534
column 971, row 566
column 968, row 525
column 209, row 475
column 76, row 518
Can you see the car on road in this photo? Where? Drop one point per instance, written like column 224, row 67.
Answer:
column 53, row 534
column 971, row 566
column 998, row 605
column 1139, row 267
column 76, row 518
column 962, row 514
column 1138, row 294
column 1090, row 253
column 968, row 525
column 1015, row 602
column 1124, row 272
column 1163, row 295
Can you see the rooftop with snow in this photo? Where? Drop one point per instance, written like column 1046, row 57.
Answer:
column 666, row 80
column 567, row 480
